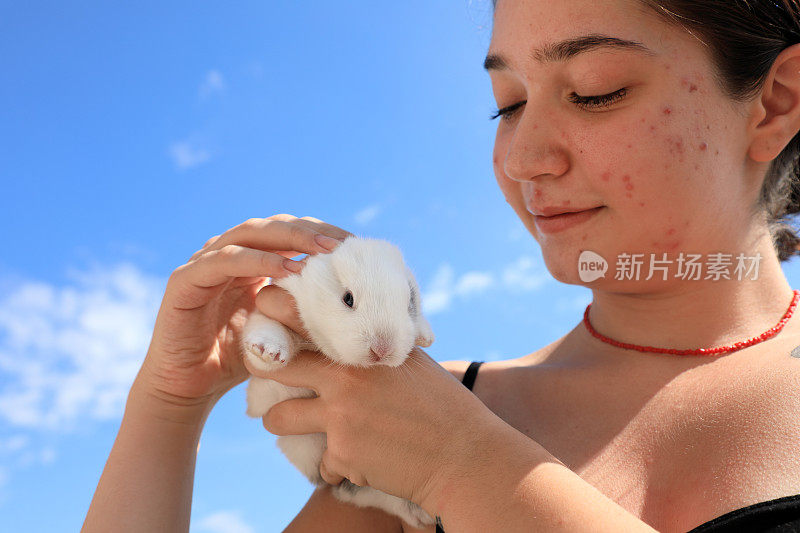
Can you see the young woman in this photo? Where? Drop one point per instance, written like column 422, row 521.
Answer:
column 667, row 128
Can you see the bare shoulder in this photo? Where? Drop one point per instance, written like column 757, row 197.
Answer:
column 741, row 434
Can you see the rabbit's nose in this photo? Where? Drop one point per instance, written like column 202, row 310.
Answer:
column 379, row 349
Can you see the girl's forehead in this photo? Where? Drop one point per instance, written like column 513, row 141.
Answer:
column 536, row 23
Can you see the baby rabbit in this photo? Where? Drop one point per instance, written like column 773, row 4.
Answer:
column 360, row 304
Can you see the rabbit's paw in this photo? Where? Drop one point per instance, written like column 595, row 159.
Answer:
column 268, row 352
column 266, row 343
column 265, row 356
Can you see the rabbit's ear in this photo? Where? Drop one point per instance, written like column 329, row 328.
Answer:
column 424, row 331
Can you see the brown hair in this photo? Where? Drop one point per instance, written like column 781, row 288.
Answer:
column 744, row 37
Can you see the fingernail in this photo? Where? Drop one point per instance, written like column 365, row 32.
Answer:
column 326, row 242
column 294, row 266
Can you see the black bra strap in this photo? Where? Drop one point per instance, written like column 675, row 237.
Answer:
column 471, row 373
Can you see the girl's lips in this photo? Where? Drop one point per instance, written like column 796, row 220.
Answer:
column 562, row 222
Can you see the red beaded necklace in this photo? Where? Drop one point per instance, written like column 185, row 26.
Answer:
column 771, row 332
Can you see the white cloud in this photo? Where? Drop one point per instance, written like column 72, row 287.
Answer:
column 184, row 155
column 473, row 282
column 69, row 354
column 367, row 214
column 212, row 83
column 523, row 274
column 223, row 522
column 13, row 444
column 437, row 297
column 445, row 287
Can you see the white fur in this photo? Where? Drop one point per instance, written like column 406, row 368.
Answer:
column 381, row 285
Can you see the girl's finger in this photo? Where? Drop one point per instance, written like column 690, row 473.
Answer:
column 328, row 229
column 329, row 477
column 307, row 369
column 331, row 468
column 276, row 303
column 202, row 250
column 287, row 236
column 189, row 284
column 297, row 416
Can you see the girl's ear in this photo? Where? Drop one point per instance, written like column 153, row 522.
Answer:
column 775, row 114
column 424, row 331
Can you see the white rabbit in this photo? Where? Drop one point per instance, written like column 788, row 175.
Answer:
column 361, row 306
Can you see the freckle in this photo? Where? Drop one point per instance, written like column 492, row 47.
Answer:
column 629, row 186
column 697, row 167
column 708, row 126
column 606, row 176
column 667, row 111
column 566, row 202
column 584, row 237
column 666, row 167
column 716, row 153
column 703, row 146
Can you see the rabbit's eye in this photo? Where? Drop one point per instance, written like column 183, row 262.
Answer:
column 348, row 299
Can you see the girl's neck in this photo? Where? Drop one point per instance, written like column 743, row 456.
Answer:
column 692, row 314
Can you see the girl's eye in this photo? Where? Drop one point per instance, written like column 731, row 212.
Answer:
column 584, row 102
column 506, row 112
column 604, row 100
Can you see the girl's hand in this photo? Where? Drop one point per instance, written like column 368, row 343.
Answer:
column 194, row 356
column 409, row 431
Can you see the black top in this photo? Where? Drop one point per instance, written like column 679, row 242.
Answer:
column 781, row 515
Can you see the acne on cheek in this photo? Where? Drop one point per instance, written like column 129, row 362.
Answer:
column 694, row 83
column 671, row 242
column 626, row 179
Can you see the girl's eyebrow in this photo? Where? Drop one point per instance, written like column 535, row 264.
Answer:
column 567, row 49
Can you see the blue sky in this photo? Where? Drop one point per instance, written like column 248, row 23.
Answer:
column 130, row 134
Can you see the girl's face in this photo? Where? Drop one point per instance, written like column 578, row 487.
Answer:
column 662, row 155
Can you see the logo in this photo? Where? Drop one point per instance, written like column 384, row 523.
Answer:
column 591, row 266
